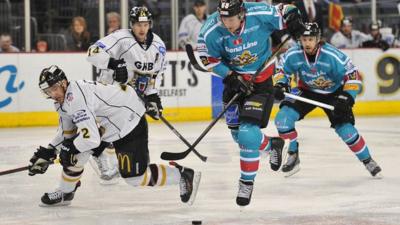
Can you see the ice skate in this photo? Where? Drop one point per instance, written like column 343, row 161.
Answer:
column 188, row 184
column 373, row 168
column 244, row 194
column 292, row 164
column 58, row 198
column 275, row 154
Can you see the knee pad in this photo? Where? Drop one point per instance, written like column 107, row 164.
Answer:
column 249, row 136
column 232, row 116
column 285, row 119
column 347, row 132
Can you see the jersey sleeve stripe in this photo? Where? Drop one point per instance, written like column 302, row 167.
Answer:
column 211, row 29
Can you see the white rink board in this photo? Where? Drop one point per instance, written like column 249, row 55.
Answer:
column 182, row 87
column 332, row 188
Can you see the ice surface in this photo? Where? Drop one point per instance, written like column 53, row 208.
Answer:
column 332, row 187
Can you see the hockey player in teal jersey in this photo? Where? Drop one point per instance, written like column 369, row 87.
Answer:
column 325, row 74
column 234, row 43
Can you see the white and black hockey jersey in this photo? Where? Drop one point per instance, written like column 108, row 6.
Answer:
column 88, row 106
column 141, row 59
column 189, row 31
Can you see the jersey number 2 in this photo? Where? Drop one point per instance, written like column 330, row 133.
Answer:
column 85, row 133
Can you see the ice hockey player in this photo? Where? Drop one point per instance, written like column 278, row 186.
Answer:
column 119, row 113
column 135, row 55
column 234, row 44
column 324, row 74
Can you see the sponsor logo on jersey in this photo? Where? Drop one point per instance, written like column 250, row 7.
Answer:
column 80, row 116
column 101, row 45
column 70, row 96
column 144, row 65
column 245, row 46
column 244, row 59
column 162, row 50
column 204, row 60
column 321, row 83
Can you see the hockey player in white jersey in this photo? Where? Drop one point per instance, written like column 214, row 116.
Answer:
column 102, row 114
column 133, row 55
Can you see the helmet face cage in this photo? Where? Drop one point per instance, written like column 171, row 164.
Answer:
column 140, row 14
column 50, row 76
column 229, row 8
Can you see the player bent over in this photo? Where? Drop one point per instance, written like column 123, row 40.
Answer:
column 234, row 44
column 135, row 56
column 324, row 74
column 120, row 114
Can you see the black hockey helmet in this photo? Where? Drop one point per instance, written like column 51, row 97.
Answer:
column 229, row 8
column 140, row 14
column 50, row 76
column 312, row 29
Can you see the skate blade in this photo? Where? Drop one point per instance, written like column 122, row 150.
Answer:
column 293, row 171
column 196, row 183
column 64, row 203
column 378, row 176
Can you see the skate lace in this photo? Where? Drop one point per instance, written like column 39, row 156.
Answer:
column 55, row 195
column 183, row 186
column 273, row 157
column 371, row 165
column 245, row 190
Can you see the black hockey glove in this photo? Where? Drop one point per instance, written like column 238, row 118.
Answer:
column 153, row 106
column 236, row 83
column 120, row 71
column 41, row 160
column 343, row 103
column 294, row 24
column 68, row 153
column 279, row 90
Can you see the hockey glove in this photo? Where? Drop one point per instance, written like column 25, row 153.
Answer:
column 120, row 71
column 41, row 160
column 153, row 106
column 294, row 24
column 343, row 103
column 68, row 153
column 236, row 83
column 280, row 89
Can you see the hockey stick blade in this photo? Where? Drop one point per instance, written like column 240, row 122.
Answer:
column 192, row 58
column 182, row 155
column 169, row 125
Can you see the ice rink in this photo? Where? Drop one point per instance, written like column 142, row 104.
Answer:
column 332, row 187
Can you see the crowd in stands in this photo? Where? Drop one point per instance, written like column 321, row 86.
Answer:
column 77, row 36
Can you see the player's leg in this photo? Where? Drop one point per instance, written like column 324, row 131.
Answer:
column 70, row 181
column 344, row 127
column 133, row 160
column 290, row 112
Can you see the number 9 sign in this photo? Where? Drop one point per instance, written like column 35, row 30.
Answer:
column 388, row 71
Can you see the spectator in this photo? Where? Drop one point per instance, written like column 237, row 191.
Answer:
column 347, row 37
column 6, row 44
column 113, row 22
column 41, row 46
column 376, row 38
column 191, row 24
column 78, row 38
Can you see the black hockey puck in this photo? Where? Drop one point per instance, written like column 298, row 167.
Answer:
column 196, row 222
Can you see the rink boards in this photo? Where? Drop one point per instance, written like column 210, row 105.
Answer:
column 187, row 95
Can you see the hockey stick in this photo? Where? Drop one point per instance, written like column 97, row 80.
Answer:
column 181, row 155
column 192, row 58
column 24, row 168
column 320, row 104
column 193, row 61
column 169, row 125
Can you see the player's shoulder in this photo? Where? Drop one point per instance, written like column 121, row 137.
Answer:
column 189, row 18
column 210, row 24
column 115, row 37
column 258, row 8
column 332, row 51
column 158, row 41
column 294, row 51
